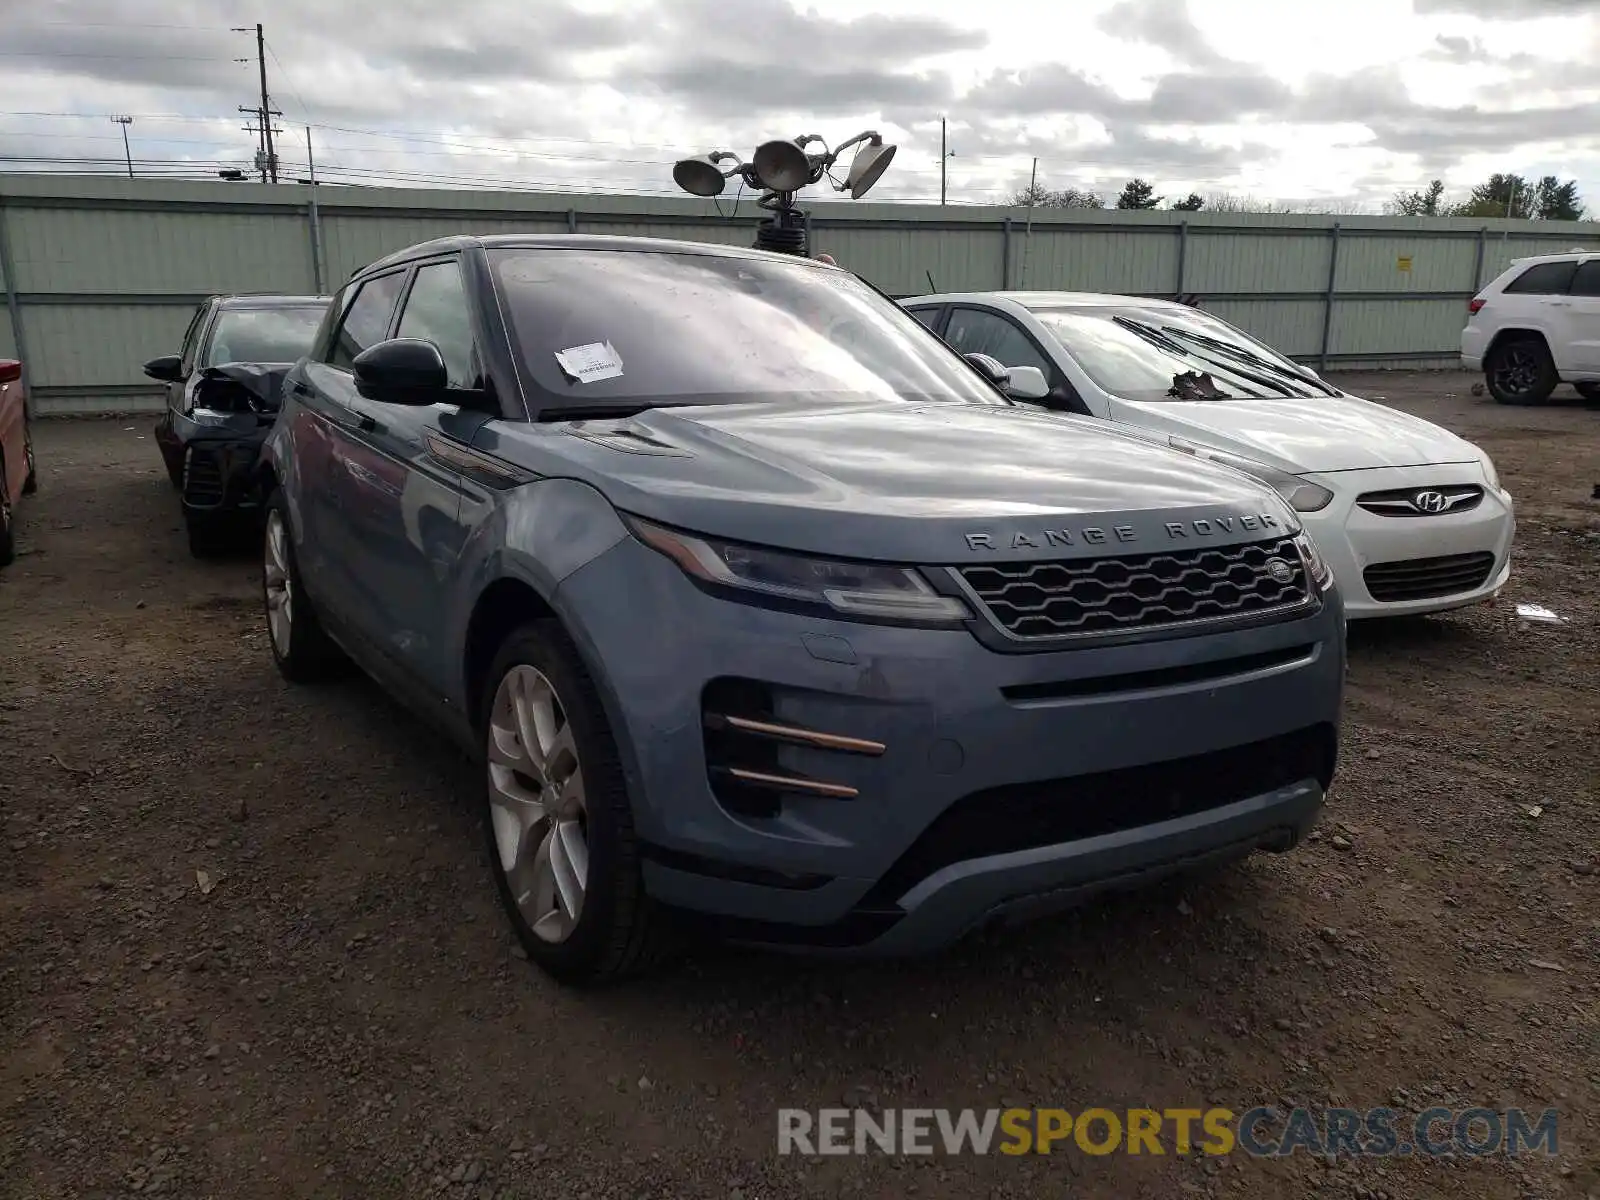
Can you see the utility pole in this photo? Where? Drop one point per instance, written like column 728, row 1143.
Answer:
column 126, row 150
column 269, row 158
column 266, row 108
column 944, row 156
column 311, row 162
column 1027, row 237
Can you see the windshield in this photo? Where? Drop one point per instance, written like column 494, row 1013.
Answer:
column 1137, row 353
column 609, row 328
column 263, row 335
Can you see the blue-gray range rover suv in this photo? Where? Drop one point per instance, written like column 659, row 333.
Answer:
column 764, row 611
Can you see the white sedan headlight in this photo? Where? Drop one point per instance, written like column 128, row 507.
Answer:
column 1300, row 494
column 1489, row 473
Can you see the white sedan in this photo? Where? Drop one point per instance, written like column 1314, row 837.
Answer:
column 1411, row 517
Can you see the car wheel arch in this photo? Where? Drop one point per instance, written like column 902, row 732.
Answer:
column 1515, row 334
column 505, row 605
column 511, row 602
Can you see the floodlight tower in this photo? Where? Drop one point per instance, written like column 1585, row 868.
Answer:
column 778, row 170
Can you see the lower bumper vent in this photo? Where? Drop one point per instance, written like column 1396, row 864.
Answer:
column 1427, row 578
column 1051, row 812
column 745, row 744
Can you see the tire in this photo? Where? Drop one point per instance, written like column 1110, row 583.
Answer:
column 1520, row 371
column 8, row 543
column 209, row 538
column 1589, row 391
column 303, row 651
column 534, row 851
column 30, row 484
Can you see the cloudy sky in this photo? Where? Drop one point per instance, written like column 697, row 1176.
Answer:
column 1335, row 103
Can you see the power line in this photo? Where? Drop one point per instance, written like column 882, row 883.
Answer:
column 121, row 57
column 119, row 25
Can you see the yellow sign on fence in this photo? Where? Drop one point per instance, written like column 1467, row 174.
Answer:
column 1403, row 263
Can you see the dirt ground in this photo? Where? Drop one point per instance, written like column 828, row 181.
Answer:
column 342, row 1014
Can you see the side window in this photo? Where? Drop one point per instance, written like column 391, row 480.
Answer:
column 1586, row 282
column 1544, row 279
column 975, row 331
column 928, row 316
column 436, row 311
column 191, row 338
column 366, row 321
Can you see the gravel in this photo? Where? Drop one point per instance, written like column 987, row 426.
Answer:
column 339, row 1014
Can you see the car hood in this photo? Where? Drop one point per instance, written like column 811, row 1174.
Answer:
column 1306, row 436
column 929, row 483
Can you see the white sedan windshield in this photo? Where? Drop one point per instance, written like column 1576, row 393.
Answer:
column 1139, row 353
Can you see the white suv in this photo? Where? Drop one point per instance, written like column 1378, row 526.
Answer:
column 1535, row 325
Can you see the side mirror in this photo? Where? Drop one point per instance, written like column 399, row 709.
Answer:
column 10, row 370
column 402, row 371
column 990, row 368
column 1026, row 383
column 168, row 368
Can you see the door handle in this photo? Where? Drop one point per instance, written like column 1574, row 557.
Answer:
column 364, row 421
column 1559, row 303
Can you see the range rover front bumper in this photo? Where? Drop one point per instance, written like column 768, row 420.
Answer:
column 927, row 783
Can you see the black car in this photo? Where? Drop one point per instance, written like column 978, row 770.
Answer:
column 222, row 397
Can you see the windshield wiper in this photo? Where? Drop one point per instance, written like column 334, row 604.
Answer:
column 1161, row 340
column 1255, row 360
column 1231, row 365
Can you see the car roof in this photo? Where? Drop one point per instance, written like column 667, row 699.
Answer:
column 575, row 241
column 268, row 300
column 1563, row 256
column 1040, row 299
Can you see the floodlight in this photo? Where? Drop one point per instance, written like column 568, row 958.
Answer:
column 868, row 166
column 780, row 169
column 699, row 176
column 782, row 166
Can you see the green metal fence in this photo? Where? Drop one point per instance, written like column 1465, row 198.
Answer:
column 101, row 274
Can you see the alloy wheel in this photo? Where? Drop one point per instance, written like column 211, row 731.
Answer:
column 1517, row 371
column 279, row 587
column 537, row 803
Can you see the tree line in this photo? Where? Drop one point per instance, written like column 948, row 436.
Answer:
column 1136, row 193
column 1501, row 195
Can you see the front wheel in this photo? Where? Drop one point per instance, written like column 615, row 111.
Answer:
column 8, row 544
column 560, row 829
column 1520, row 371
column 30, row 480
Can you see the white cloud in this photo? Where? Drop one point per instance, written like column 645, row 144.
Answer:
column 1342, row 102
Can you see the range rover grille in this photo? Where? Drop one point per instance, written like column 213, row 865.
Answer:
column 1083, row 597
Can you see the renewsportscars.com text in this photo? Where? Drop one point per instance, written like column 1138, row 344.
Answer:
column 1258, row 1132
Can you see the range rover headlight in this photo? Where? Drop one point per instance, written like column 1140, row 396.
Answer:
column 1300, row 494
column 1317, row 568
column 865, row 591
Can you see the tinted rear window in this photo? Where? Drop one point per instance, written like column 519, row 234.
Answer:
column 1545, row 279
column 675, row 328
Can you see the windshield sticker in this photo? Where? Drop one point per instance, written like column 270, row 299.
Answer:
column 588, row 364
